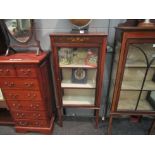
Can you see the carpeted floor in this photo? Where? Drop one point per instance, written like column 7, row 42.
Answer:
column 85, row 126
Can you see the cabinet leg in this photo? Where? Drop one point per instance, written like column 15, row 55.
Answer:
column 96, row 118
column 60, row 117
column 152, row 127
column 110, row 125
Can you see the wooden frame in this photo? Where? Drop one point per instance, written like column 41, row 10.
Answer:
column 129, row 35
column 94, row 40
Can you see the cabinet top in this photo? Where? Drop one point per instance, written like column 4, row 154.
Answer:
column 24, row 58
column 79, row 34
column 135, row 28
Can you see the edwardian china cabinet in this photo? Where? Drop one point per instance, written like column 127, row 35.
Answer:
column 78, row 62
column 133, row 76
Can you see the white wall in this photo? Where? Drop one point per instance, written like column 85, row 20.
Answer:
column 46, row 26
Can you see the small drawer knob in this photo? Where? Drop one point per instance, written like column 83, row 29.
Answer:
column 7, row 70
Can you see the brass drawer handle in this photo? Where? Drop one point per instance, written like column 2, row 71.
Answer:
column 20, row 115
column 29, row 85
column 37, row 123
column 11, row 84
column 7, row 71
column 26, row 72
column 17, row 106
column 14, row 96
column 23, row 123
column 35, row 107
column 32, row 96
column 36, row 115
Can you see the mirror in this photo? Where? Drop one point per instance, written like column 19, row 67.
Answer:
column 23, row 34
column 19, row 29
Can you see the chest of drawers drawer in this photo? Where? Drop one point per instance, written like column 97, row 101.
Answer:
column 26, row 105
column 26, row 71
column 29, row 115
column 30, row 123
column 19, row 83
column 22, row 95
column 7, row 70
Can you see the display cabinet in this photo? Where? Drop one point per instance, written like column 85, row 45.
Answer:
column 78, row 70
column 132, row 91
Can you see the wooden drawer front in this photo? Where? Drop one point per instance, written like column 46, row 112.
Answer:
column 26, row 71
column 22, row 95
column 35, row 123
column 7, row 71
column 29, row 115
column 19, row 83
column 78, row 39
column 26, row 105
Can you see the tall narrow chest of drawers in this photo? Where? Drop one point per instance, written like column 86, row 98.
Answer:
column 26, row 83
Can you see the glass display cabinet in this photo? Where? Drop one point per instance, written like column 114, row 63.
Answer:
column 132, row 89
column 78, row 61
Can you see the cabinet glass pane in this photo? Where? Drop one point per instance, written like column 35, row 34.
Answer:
column 146, row 102
column 68, row 79
column 138, row 78
column 79, row 97
column 128, row 99
column 78, row 57
column 78, row 69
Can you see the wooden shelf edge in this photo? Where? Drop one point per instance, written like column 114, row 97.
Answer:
column 80, row 106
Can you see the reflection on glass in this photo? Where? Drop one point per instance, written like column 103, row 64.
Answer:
column 78, row 56
column 20, row 29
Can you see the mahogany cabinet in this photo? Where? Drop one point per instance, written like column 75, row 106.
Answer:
column 133, row 77
column 78, row 62
column 26, row 84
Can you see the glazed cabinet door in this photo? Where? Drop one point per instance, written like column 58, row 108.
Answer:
column 78, row 70
column 137, row 91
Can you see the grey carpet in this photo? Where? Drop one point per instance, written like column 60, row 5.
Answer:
column 85, row 126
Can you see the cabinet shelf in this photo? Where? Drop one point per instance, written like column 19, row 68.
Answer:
column 126, row 104
column 77, row 66
column 138, row 65
column 136, row 85
column 69, row 84
column 78, row 100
